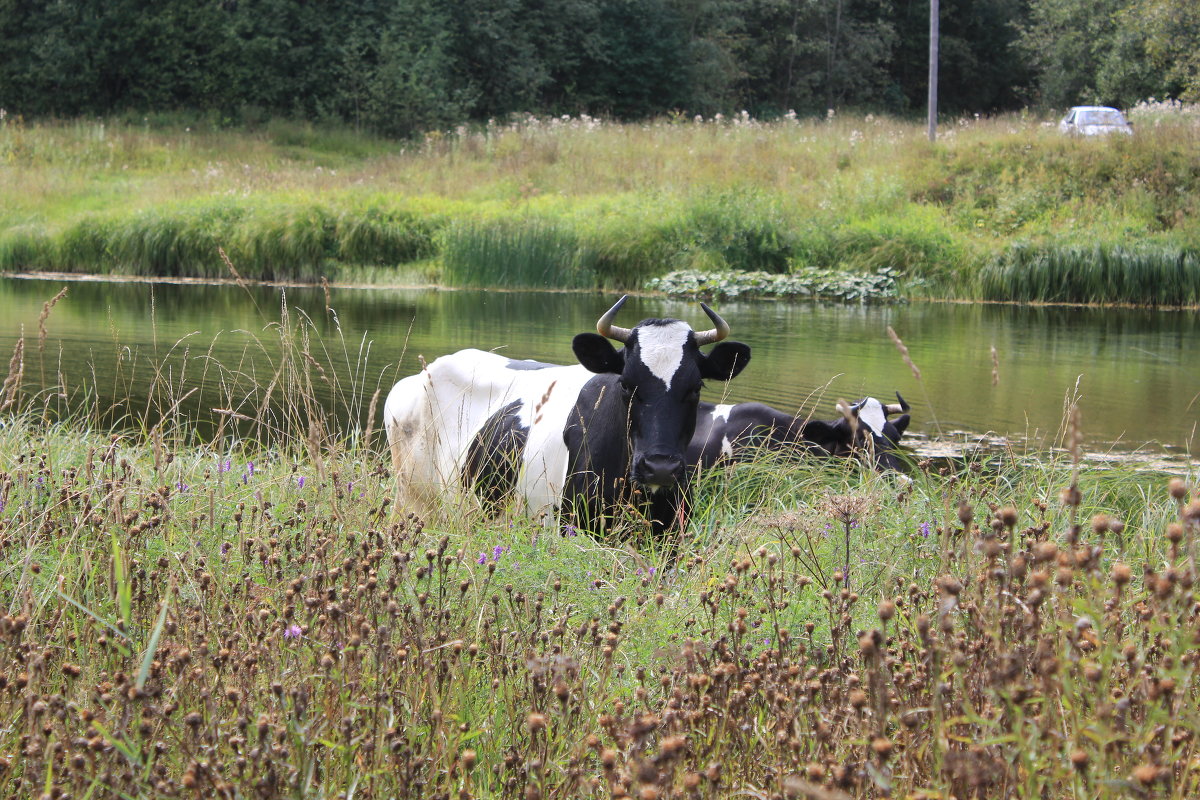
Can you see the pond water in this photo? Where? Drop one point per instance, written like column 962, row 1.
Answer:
column 1134, row 374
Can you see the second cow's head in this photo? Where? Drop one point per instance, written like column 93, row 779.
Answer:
column 661, row 370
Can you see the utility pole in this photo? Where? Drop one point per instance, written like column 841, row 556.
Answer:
column 933, row 68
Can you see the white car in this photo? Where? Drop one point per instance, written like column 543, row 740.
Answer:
column 1094, row 121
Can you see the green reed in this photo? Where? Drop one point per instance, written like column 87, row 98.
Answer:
column 1143, row 275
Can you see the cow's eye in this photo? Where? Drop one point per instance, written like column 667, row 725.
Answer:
column 627, row 390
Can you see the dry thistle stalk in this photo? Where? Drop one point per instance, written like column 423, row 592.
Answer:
column 229, row 265
column 49, row 304
column 903, row 352
column 16, row 372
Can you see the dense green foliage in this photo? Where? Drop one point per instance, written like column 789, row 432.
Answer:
column 408, row 66
column 577, row 203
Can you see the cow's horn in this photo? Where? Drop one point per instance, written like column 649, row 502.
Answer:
column 605, row 327
column 716, row 334
column 897, row 408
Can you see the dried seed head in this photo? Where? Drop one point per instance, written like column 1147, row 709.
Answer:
column 1146, row 774
column 1071, row 496
column 1079, row 759
column 1177, row 488
column 535, row 722
column 1101, row 523
column 468, row 759
column 887, row 610
column 1008, row 516
column 882, row 747
column 1121, row 574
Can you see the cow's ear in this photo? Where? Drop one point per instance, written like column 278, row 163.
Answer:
column 901, row 423
column 597, row 354
column 725, row 361
column 823, row 433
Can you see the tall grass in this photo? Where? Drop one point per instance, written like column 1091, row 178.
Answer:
column 517, row 253
column 637, row 201
column 1147, row 274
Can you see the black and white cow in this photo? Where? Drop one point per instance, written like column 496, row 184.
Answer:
column 576, row 441
column 734, row 431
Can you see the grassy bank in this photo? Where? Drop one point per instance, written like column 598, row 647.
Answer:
column 246, row 614
column 578, row 202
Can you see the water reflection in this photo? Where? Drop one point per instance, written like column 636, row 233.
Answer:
column 1134, row 372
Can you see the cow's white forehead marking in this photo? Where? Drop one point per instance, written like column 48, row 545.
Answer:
column 721, row 411
column 871, row 414
column 661, row 348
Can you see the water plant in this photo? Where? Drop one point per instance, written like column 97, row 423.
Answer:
column 1147, row 274
column 806, row 282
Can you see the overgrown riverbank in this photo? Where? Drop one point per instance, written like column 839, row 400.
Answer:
column 207, row 618
column 579, row 203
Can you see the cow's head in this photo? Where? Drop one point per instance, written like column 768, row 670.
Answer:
column 661, row 371
column 865, row 427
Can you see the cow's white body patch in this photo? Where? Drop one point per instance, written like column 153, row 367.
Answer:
column 721, row 411
column 432, row 417
column 871, row 414
column 661, row 348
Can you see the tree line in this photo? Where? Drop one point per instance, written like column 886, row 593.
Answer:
column 397, row 67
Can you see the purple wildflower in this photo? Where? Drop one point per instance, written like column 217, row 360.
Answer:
column 293, row 632
column 225, row 546
column 482, row 559
column 224, row 466
column 498, row 551
column 299, row 481
column 183, row 487
column 570, row 530
column 923, row 529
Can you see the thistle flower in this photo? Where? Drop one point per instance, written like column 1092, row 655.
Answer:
column 292, row 631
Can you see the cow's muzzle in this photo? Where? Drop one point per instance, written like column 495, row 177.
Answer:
column 657, row 472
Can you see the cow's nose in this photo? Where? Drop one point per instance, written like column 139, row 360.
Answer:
column 658, row 471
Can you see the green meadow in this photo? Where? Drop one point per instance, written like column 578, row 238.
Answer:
column 1003, row 209
column 246, row 614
